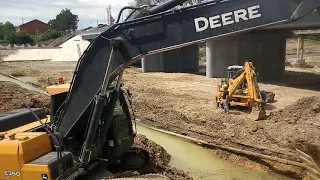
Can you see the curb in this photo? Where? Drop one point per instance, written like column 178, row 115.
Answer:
column 12, row 77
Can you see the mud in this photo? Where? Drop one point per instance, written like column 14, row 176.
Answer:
column 159, row 160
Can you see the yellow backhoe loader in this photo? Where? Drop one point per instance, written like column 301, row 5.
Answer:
column 244, row 90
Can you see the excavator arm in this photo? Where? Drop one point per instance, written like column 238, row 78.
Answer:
column 157, row 30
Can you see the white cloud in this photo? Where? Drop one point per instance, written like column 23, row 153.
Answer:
column 44, row 10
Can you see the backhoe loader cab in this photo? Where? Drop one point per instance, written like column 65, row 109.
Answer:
column 233, row 70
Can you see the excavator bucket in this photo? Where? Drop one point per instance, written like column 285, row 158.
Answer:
column 258, row 112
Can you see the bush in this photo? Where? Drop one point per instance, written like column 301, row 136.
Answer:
column 49, row 34
column 18, row 74
column 23, row 37
column 53, row 34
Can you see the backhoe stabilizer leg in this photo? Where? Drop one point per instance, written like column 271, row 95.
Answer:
column 100, row 101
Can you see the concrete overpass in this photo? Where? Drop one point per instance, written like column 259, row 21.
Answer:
column 266, row 48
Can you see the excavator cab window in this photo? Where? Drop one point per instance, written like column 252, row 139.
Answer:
column 121, row 122
column 121, row 133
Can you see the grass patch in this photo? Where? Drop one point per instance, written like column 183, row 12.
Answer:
column 18, row 74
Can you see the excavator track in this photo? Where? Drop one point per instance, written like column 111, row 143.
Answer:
column 136, row 158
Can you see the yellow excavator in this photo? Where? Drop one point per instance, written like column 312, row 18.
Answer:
column 244, row 91
column 89, row 121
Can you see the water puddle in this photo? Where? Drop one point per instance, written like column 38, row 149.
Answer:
column 201, row 163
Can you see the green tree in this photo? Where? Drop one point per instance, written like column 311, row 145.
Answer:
column 65, row 20
column 10, row 37
column 139, row 3
column 8, row 28
column 1, row 31
column 52, row 23
column 9, row 32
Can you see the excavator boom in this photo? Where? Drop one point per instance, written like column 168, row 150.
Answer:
column 164, row 31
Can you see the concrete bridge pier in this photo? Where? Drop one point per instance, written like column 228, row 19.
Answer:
column 266, row 50
column 300, row 61
column 185, row 59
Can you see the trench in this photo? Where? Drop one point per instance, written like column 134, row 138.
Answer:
column 200, row 163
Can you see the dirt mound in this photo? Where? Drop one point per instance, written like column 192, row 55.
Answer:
column 301, row 111
column 11, row 90
column 159, row 159
column 299, row 122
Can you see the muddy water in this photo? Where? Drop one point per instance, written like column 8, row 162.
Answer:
column 201, row 163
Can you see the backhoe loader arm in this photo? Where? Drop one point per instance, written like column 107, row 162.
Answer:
column 253, row 87
column 235, row 83
column 124, row 43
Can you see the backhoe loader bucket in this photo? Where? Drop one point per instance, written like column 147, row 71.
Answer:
column 258, row 112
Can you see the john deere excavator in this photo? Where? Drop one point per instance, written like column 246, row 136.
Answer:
column 244, row 91
column 89, row 122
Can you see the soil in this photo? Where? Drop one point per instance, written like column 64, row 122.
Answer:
column 159, row 160
column 162, row 100
column 10, row 90
column 45, row 72
column 185, row 104
column 310, row 46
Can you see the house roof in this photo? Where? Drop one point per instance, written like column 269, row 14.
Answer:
column 35, row 20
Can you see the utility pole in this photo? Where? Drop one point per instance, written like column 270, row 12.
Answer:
column 22, row 21
column 109, row 15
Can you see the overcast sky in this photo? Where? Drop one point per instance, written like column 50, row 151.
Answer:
column 44, row 10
